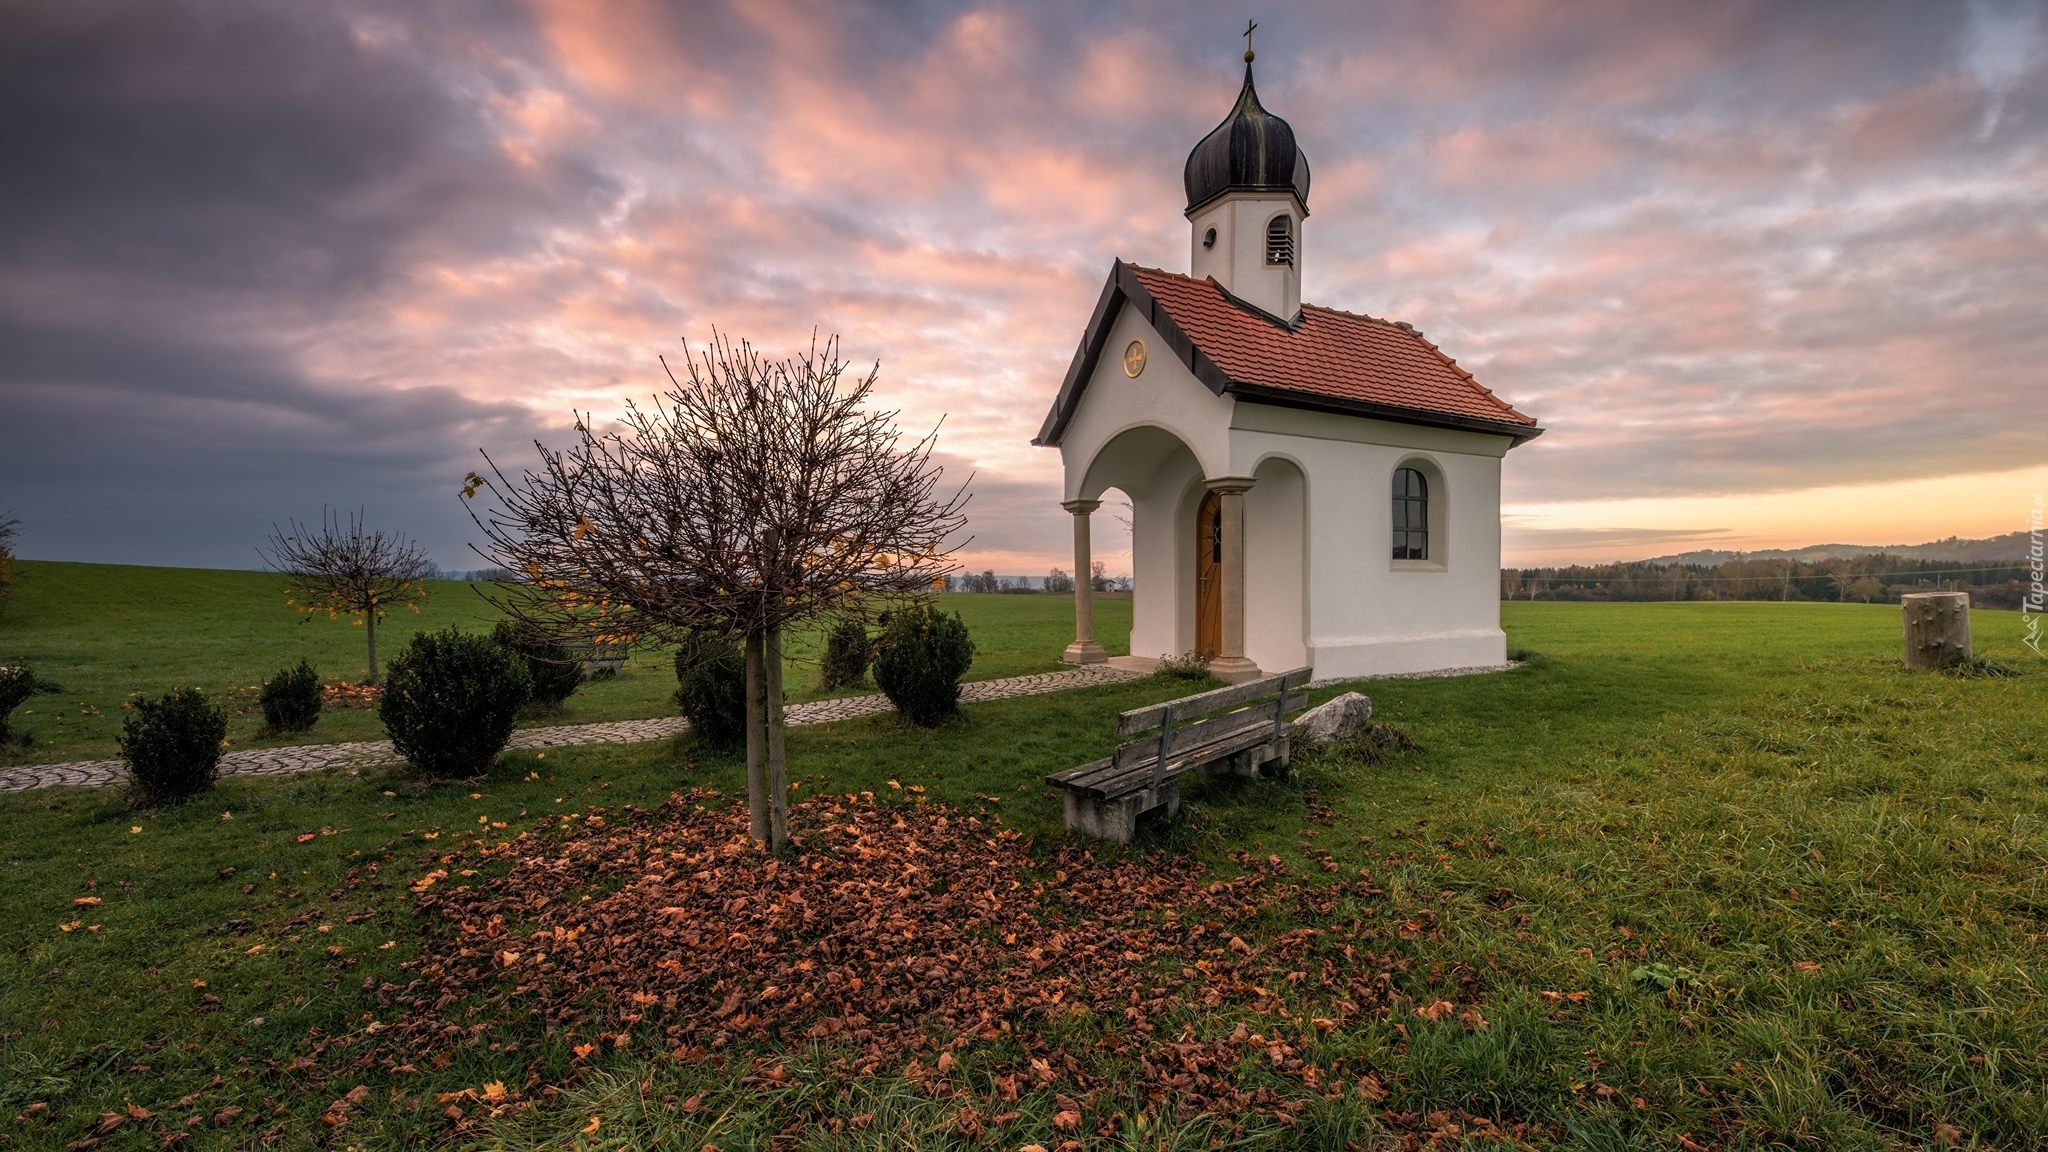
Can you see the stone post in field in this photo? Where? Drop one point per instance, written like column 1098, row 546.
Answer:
column 1937, row 628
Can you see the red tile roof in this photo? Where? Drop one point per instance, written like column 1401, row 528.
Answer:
column 1331, row 354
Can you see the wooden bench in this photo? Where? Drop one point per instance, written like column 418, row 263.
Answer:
column 1238, row 729
column 598, row 659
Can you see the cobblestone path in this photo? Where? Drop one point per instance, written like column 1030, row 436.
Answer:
column 368, row 753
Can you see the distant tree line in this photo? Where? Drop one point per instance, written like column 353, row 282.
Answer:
column 1876, row 578
column 1057, row 581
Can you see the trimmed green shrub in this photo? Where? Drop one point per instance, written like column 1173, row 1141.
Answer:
column 17, row 683
column 711, row 690
column 291, row 699
column 173, row 744
column 450, row 700
column 919, row 659
column 554, row 671
column 847, row 649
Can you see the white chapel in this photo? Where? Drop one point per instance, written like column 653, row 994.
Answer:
column 1308, row 486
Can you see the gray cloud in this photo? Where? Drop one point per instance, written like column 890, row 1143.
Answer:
column 195, row 194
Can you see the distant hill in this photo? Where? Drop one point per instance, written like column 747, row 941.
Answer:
column 1998, row 549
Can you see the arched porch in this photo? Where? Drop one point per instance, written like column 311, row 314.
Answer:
column 1196, row 589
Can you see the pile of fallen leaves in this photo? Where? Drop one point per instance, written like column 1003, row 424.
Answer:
column 899, row 936
column 342, row 694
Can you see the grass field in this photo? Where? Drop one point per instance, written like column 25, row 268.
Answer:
column 1703, row 875
column 107, row 631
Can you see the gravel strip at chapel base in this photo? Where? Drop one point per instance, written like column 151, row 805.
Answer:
column 370, row 753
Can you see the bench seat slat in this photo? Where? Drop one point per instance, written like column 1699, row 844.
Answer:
column 1143, row 719
column 1072, row 774
column 1105, row 779
column 1110, row 781
column 1090, row 777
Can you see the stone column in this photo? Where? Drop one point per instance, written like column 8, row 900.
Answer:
column 1084, row 649
column 1230, row 663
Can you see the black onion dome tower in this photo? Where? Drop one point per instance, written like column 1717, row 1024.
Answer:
column 1247, row 185
column 1251, row 151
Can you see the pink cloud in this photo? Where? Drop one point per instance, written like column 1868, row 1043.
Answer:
column 1708, row 274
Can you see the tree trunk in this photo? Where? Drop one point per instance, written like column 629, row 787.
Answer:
column 370, row 626
column 778, row 785
column 1937, row 628
column 757, row 741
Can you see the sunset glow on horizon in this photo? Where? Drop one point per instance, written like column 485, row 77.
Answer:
column 1768, row 275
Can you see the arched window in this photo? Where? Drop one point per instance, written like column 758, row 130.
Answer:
column 1411, row 515
column 1280, row 241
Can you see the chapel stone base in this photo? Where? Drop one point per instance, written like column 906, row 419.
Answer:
column 1234, row 669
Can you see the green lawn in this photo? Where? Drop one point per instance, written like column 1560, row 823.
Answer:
column 1718, row 873
column 106, row 632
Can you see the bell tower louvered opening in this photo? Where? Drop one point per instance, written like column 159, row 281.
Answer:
column 1280, row 241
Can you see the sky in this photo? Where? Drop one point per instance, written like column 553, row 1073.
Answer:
column 1769, row 273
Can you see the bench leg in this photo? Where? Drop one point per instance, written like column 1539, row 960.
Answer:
column 1254, row 762
column 1116, row 820
column 1280, row 757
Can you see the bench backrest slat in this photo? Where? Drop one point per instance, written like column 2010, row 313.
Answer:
column 1190, row 737
column 1165, row 747
column 1144, row 719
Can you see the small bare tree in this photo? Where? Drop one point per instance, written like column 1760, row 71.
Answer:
column 9, row 529
column 753, row 495
column 348, row 570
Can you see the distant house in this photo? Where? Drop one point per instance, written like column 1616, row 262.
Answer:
column 1309, row 486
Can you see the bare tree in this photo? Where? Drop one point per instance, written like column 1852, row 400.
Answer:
column 1844, row 580
column 753, row 495
column 10, row 527
column 348, row 570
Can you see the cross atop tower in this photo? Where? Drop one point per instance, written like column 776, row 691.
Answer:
column 1250, row 26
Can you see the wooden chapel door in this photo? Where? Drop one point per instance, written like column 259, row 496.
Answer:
column 1209, row 576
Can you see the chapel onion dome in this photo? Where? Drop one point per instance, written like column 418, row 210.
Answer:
column 1251, row 151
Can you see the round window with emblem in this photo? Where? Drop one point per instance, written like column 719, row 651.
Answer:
column 1134, row 358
